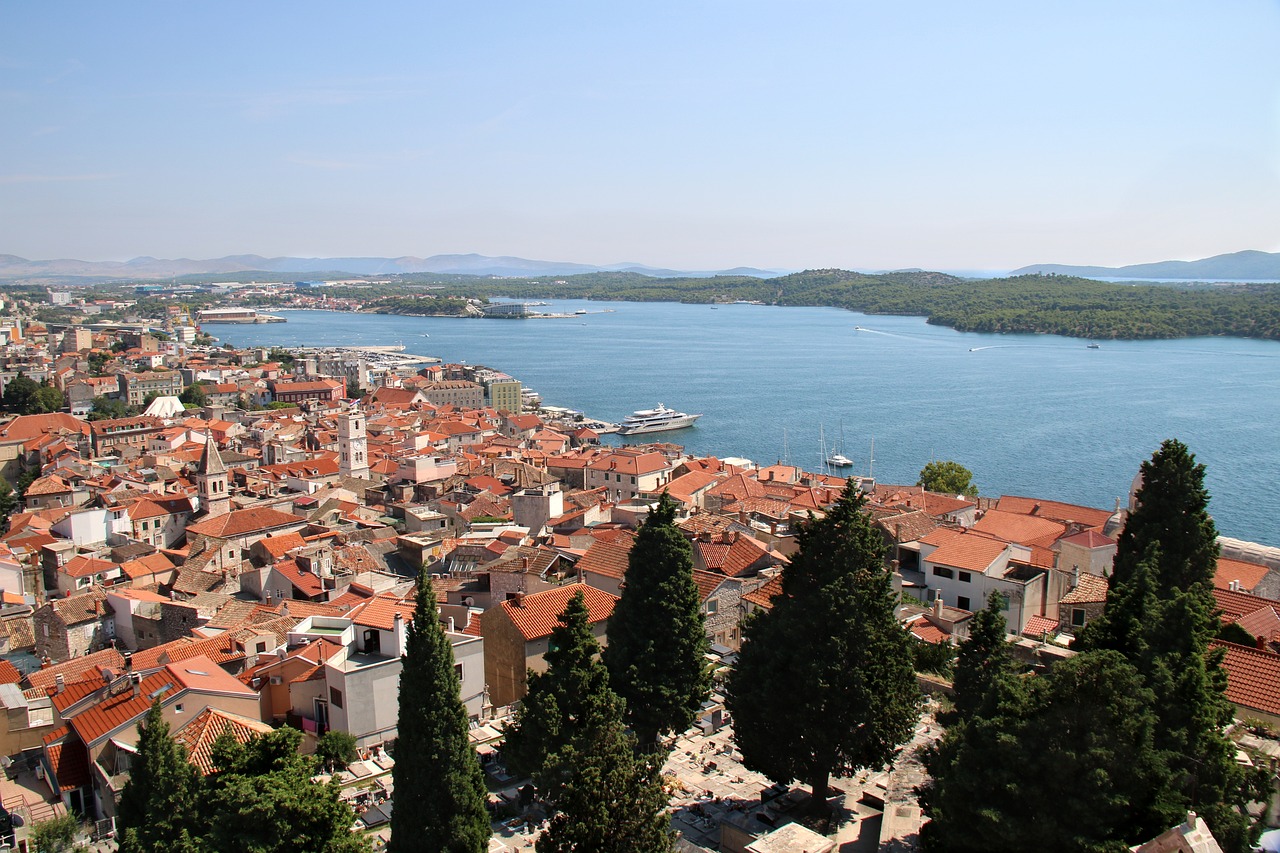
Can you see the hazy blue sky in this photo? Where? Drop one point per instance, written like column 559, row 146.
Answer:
column 977, row 135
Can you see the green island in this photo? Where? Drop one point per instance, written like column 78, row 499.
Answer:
column 1048, row 304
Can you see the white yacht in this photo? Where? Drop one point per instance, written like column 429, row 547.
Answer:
column 660, row 419
column 839, row 460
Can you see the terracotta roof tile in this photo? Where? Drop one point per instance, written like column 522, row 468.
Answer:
column 1249, row 575
column 1253, row 677
column 608, row 557
column 243, row 521
column 1039, row 625
column 69, row 761
column 535, row 615
column 1090, row 590
column 198, row 735
column 1056, row 510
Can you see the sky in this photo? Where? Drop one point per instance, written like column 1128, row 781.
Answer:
column 703, row 134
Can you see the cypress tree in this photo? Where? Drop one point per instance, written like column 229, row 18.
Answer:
column 1060, row 762
column 983, row 657
column 439, row 786
column 657, row 639
column 1161, row 616
column 613, row 802
column 824, row 680
column 562, row 704
column 159, row 800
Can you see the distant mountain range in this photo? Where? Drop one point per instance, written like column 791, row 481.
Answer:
column 14, row 267
column 1236, row 266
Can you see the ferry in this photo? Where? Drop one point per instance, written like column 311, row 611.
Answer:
column 660, row 419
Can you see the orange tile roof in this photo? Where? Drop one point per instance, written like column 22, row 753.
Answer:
column 1090, row 590
column 243, row 521
column 970, row 552
column 81, row 566
column 69, row 761
column 148, row 565
column 1253, row 677
column 1038, row 625
column 1013, row 527
column 198, row 735
column 380, row 612
column 115, row 712
column 1248, row 574
column 9, row 673
column 925, row 630
column 1089, row 539
column 536, row 615
column 1056, row 510
column 764, row 596
column 707, row 583
column 608, row 557
column 1233, row 605
column 77, row 669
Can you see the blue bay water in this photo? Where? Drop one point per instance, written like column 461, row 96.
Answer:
column 1028, row 414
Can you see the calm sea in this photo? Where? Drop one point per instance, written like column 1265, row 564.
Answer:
column 1028, row 414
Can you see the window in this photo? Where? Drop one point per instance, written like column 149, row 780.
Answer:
column 1004, row 601
column 712, row 606
column 335, row 697
column 178, row 709
column 942, row 572
column 962, row 602
column 1077, row 617
column 964, row 578
column 457, row 668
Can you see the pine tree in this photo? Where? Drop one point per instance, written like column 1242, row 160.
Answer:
column 439, row 786
column 159, row 800
column 824, row 680
column 657, row 639
column 562, row 704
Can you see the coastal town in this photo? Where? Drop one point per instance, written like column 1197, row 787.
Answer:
column 236, row 533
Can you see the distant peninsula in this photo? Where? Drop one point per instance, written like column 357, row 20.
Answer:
column 1236, row 266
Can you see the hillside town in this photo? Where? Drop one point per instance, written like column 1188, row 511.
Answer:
column 236, row 533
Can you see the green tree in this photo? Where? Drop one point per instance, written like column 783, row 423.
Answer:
column 948, row 478
column 8, row 501
column 20, row 394
column 614, row 802
column 1161, row 615
column 336, row 749
column 262, row 800
column 440, row 790
column 55, row 834
column 563, row 704
column 824, row 680
column 105, row 408
column 47, row 399
column 983, row 658
column 1060, row 762
column 160, row 798
column 194, row 394
column 657, row 639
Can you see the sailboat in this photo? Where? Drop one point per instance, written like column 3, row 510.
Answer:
column 838, row 459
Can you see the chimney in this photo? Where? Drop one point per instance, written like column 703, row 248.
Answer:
column 135, row 678
column 59, row 684
column 937, row 605
column 518, row 599
column 128, row 661
column 1234, row 585
column 268, row 598
column 452, row 628
column 284, row 609
column 1261, row 643
column 524, row 563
